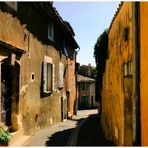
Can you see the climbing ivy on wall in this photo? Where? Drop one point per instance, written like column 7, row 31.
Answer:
column 100, row 54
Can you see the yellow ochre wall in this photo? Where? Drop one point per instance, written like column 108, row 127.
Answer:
column 117, row 89
column 144, row 71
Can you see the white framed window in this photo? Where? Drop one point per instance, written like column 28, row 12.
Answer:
column 61, row 75
column 48, row 75
column 50, row 31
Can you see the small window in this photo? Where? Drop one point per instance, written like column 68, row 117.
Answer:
column 13, row 5
column 84, row 86
column 128, row 69
column 61, row 75
column 50, row 31
column 125, row 69
column 32, row 77
column 48, row 75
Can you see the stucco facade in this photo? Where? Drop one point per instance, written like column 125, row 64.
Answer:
column 125, row 78
column 143, row 71
column 71, row 88
column 27, row 57
column 86, row 92
column 117, row 84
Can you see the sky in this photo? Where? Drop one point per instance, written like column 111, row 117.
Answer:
column 88, row 19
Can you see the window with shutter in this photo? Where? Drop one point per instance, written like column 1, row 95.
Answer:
column 50, row 31
column 48, row 75
column 61, row 74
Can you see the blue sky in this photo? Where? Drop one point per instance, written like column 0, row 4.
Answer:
column 89, row 20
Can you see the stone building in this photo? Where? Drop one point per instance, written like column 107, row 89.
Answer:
column 86, row 70
column 86, row 92
column 124, row 102
column 37, row 66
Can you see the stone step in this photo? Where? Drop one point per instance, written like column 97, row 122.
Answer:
column 21, row 141
column 18, row 138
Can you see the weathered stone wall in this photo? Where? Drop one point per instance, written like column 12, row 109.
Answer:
column 71, row 86
column 116, row 84
column 35, row 112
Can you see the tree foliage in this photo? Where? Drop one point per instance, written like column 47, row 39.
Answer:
column 100, row 54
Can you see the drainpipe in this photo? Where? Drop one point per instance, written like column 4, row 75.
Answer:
column 136, row 127
column 76, row 109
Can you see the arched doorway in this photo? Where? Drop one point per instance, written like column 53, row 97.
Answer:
column 9, row 93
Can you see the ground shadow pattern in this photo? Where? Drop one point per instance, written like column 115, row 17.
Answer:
column 91, row 133
column 61, row 138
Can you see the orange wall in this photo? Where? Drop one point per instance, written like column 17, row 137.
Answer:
column 120, row 52
column 144, row 71
column 71, row 86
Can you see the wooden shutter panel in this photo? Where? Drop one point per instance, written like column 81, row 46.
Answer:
column 44, row 76
column 61, row 70
column 53, row 76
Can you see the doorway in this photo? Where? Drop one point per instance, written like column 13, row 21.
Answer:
column 9, row 93
column 128, row 81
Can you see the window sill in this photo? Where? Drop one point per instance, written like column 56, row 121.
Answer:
column 46, row 94
column 60, row 87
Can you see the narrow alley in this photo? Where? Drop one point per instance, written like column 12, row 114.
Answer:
column 72, row 132
column 65, row 82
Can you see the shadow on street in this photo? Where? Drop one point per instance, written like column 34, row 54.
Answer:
column 61, row 138
column 91, row 133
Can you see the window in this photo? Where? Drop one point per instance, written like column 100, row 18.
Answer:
column 13, row 5
column 85, row 101
column 61, row 75
column 128, row 69
column 32, row 77
column 84, row 86
column 50, row 31
column 48, row 75
column 125, row 69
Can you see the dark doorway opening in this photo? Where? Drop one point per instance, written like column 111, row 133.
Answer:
column 10, row 93
column 6, row 91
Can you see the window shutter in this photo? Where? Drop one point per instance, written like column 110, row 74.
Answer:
column 61, row 72
column 44, row 76
column 50, row 31
column 53, row 76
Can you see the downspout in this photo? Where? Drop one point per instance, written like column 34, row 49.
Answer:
column 76, row 68
column 136, row 125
